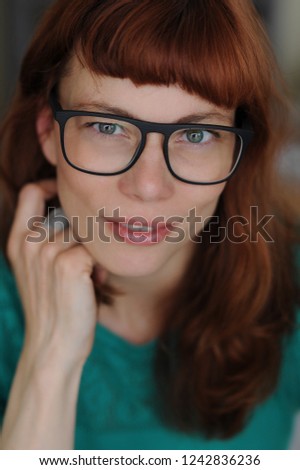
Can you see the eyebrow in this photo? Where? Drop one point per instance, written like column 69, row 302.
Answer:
column 190, row 118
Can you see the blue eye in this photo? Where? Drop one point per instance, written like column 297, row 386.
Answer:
column 107, row 128
column 198, row 136
column 195, row 136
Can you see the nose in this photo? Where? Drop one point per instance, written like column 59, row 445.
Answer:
column 149, row 179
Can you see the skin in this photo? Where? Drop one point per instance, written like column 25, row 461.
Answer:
column 54, row 280
column 147, row 190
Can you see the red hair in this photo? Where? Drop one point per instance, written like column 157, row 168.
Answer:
column 236, row 302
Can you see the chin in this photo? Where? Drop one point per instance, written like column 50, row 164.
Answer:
column 134, row 261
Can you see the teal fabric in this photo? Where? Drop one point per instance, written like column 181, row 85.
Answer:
column 117, row 392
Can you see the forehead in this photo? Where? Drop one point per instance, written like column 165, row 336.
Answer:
column 82, row 89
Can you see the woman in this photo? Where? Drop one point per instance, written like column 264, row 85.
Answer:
column 164, row 316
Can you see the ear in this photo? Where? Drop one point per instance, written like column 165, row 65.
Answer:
column 45, row 129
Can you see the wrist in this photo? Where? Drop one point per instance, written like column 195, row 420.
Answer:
column 51, row 359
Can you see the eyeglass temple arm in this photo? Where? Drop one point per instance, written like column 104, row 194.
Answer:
column 242, row 120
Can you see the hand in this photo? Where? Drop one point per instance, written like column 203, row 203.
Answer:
column 55, row 285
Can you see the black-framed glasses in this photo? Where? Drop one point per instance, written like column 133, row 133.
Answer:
column 107, row 144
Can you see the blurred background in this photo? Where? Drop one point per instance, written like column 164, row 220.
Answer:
column 282, row 17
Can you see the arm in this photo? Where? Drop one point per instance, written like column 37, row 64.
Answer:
column 54, row 281
column 42, row 405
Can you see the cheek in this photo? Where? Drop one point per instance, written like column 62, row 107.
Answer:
column 71, row 183
column 204, row 199
column 79, row 193
column 197, row 204
column 205, row 208
column 81, row 201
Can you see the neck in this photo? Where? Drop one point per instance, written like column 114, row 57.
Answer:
column 137, row 313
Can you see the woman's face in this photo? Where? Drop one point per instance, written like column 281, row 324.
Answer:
column 147, row 191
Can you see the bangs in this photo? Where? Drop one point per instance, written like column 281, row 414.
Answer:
column 198, row 44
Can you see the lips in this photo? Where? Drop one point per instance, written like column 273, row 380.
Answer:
column 139, row 232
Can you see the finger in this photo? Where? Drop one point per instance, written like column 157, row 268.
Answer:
column 31, row 203
column 56, row 222
column 75, row 261
column 48, row 185
column 55, row 243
